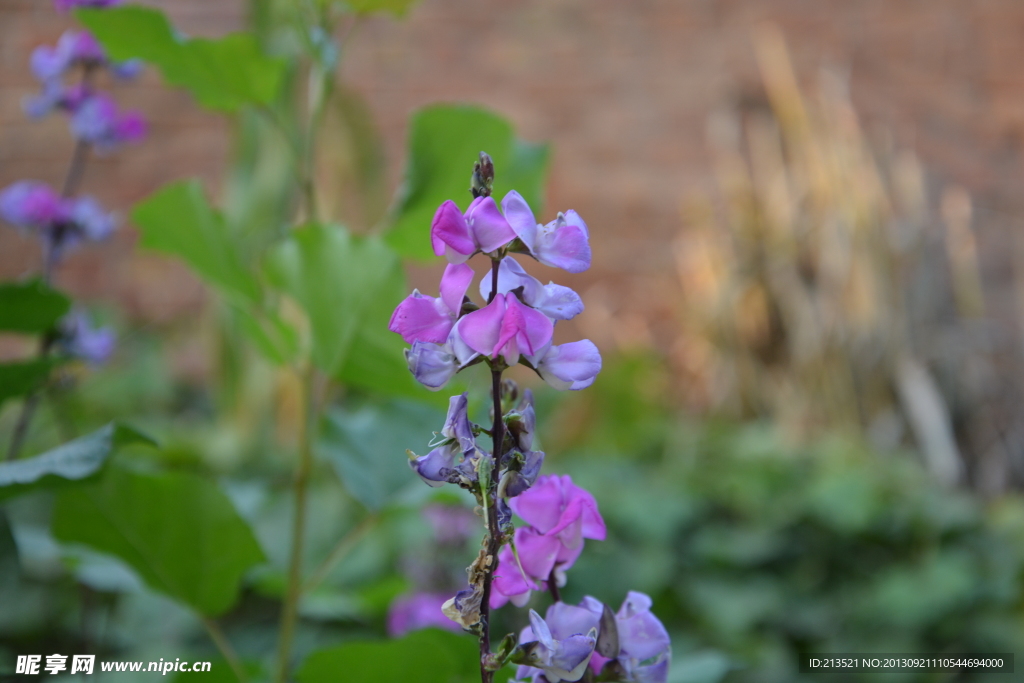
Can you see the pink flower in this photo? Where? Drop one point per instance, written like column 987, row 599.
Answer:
column 426, row 319
column 562, row 243
column 507, row 328
column 569, row 366
column 457, row 236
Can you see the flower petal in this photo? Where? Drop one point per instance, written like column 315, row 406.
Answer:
column 454, row 283
column 520, row 217
column 480, row 329
column 449, row 230
column 564, row 243
column 570, row 366
column 421, row 318
column 431, row 364
column 487, row 227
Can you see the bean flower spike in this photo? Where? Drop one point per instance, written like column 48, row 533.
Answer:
column 513, row 323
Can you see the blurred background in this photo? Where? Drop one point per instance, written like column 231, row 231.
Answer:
column 808, row 284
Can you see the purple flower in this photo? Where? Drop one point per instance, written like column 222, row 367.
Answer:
column 98, row 121
column 424, row 318
column 435, row 467
column 457, row 236
column 418, row 610
column 516, row 481
column 94, row 224
column 67, row 5
column 457, row 425
column 81, row 340
column 73, row 47
column 563, row 645
column 558, row 507
column 562, row 243
column 451, row 524
column 554, row 301
column 645, row 650
column 31, row 205
column 538, row 554
column 507, row 328
column 571, row 366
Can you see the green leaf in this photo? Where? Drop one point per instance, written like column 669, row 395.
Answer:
column 444, row 141
column 366, row 446
column 177, row 530
column 348, row 286
column 427, row 656
column 396, row 7
column 18, row 379
column 178, row 220
column 30, row 307
column 70, row 462
column 222, row 74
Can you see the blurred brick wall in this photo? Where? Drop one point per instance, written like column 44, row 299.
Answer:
column 622, row 90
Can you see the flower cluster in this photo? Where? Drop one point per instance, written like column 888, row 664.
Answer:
column 560, row 515
column 66, row 73
column 631, row 645
column 515, row 324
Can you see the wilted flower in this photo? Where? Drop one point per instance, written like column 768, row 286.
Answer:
column 562, row 243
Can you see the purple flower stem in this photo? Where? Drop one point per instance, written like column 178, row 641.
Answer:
column 491, row 493
column 71, row 182
column 553, row 586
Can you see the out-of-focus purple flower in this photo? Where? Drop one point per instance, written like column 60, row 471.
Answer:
column 418, row 610
column 93, row 222
column 457, row 236
column 29, row 204
column 571, row 366
column 98, row 121
column 562, row 648
column 645, row 650
column 424, row 318
column 507, row 328
column 451, row 524
column 80, row 339
column 73, row 47
column 562, row 243
column 68, row 5
column 554, row 301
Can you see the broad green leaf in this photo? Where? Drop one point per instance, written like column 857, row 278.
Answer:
column 30, row 307
column 427, row 656
column 273, row 337
column 73, row 461
column 20, row 378
column 366, row 446
column 348, row 286
column 178, row 531
column 178, row 220
column 396, row 7
column 444, row 142
column 222, row 74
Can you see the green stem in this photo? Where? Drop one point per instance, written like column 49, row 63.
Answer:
column 290, row 609
column 228, row 652
column 340, row 551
